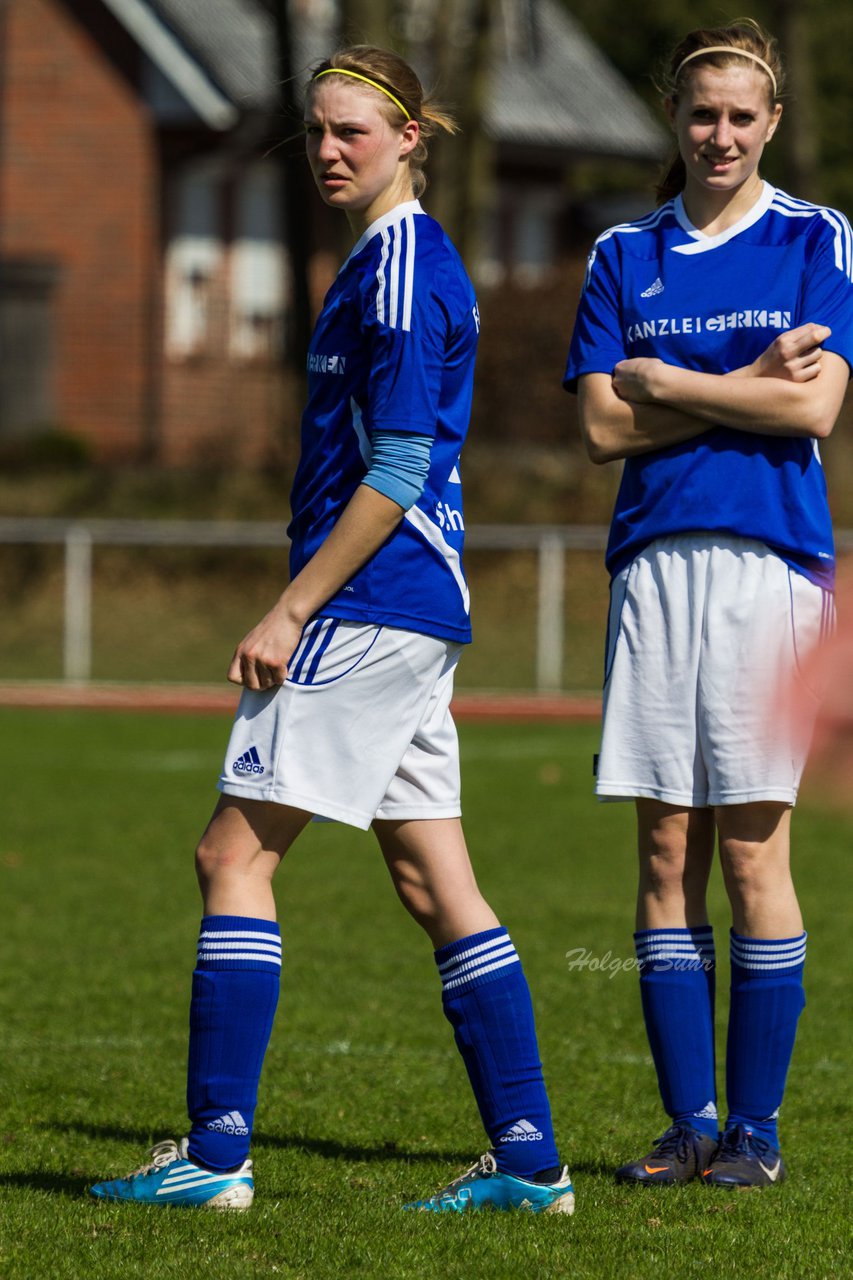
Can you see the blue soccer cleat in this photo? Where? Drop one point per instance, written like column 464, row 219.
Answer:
column 170, row 1178
column 744, row 1159
column 483, row 1186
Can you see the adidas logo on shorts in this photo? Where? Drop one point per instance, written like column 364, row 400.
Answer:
column 233, row 1124
column 249, row 762
column 524, row 1131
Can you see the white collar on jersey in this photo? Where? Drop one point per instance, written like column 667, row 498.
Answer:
column 396, row 214
column 700, row 243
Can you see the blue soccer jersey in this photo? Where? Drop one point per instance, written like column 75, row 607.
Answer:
column 658, row 287
column 393, row 350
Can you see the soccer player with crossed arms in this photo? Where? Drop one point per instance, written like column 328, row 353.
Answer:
column 711, row 353
column 345, row 711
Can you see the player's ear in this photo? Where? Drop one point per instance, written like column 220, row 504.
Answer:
column 409, row 137
column 670, row 106
column 775, row 117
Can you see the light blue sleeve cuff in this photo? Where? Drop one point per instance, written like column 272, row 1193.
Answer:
column 399, row 466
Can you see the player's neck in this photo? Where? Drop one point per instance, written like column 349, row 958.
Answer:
column 715, row 211
column 360, row 219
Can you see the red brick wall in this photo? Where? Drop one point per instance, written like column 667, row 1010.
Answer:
column 79, row 183
column 220, row 413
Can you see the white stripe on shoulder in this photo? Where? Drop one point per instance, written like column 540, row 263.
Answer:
column 394, row 292
column 648, row 223
column 409, row 281
column 380, row 276
column 395, row 274
column 790, row 207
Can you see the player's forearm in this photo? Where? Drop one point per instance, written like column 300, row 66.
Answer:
column 613, row 428
column 761, row 405
column 368, row 519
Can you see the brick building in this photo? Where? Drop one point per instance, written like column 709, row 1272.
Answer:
column 144, row 286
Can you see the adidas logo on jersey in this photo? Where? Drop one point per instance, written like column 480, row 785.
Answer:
column 653, row 289
column 233, row 1124
column 524, row 1131
column 249, row 762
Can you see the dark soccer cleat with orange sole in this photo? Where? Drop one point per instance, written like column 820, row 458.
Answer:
column 681, row 1154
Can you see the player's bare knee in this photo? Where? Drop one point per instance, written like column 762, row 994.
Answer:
column 662, row 869
column 747, row 871
column 206, row 861
column 212, row 858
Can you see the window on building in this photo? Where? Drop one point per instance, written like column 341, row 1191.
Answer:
column 195, row 258
column 258, row 281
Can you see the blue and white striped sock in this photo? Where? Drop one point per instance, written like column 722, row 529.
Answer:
column 234, row 997
column 766, row 1001
column 677, row 979
column 487, row 1002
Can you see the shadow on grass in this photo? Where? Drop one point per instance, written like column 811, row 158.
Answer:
column 592, row 1169
column 333, row 1150
column 326, row 1147
column 57, row 1184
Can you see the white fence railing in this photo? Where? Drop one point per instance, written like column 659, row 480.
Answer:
column 79, row 537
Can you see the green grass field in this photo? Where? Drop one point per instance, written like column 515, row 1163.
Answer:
column 364, row 1103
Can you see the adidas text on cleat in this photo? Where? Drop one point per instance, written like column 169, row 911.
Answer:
column 744, row 1159
column 681, row 1154
column 483, row 1186
column 170, row 1178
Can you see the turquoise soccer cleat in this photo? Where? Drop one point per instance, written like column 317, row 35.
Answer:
column 170, row 1178
column 483, row 1186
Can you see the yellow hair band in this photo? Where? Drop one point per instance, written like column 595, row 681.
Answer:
column 374, row 84
column 727, row 48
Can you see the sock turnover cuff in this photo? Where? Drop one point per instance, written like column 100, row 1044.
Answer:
column 768, row 956
column 684, row 949
column 474, row 960
column 238, row 942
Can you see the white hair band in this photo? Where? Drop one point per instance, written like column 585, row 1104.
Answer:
column 727, row 48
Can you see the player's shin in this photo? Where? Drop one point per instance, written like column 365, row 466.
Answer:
column 677, row 992
column 234, row 998
column 766, row 1001
column 487, row 1002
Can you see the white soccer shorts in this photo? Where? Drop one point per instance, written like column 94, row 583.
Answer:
column 705, row 636
column 361, row 729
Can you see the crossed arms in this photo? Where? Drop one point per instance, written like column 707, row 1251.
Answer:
column 794, row 388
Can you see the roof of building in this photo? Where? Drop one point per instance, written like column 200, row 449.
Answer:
column 551, row 86
column 560, row 91
column 234, row 39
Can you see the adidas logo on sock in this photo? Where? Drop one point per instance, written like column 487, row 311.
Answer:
column 232, row 1124
column 249, row 762
column 708, row 1112
column 524, row 1131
